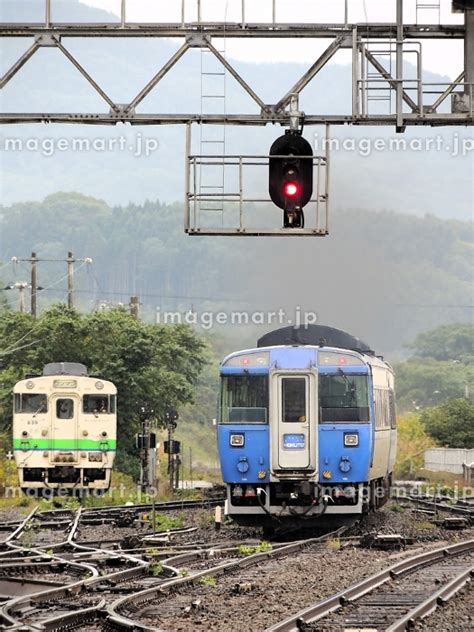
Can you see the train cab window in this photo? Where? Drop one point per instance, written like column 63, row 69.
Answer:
column 31, row 403
column 244, row 399
column 293, row 396
column 64, row 408
column 343, row 398
column 98, row 404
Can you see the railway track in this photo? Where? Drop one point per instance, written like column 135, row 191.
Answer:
column 54, row 582
column 61, row 577
column 50, row 580
column 57, row 582
column 392, row 599
column 135, row 611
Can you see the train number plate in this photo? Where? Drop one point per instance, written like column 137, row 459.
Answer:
column 294, row 441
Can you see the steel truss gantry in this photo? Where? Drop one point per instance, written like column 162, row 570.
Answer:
column 414, row 102
column 381, row 95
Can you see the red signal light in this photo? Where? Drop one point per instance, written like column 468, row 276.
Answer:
column 291, row 189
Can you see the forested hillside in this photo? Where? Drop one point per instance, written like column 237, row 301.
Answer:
column 383, row 276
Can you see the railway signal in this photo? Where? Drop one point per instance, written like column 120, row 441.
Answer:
column 291, row 176
column 172, row 448
column 146, row 444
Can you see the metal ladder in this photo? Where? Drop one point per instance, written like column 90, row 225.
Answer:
column 428, row 5
column 212, row 137
column 379, row 92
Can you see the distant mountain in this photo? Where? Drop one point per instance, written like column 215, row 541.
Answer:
column 415, row 181
column 383, row 276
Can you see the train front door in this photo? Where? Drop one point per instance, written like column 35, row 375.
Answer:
column 293, row 420
column 64, row 429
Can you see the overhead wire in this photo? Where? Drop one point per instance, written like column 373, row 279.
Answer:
column 38, row 323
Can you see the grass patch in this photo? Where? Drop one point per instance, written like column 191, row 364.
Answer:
column 156, row 569
column 424, row 524
column 245, row 549
column 208, row 580
column 166, row 522
column 334, row 544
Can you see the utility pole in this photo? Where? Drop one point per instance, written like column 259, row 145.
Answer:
column 22, row 287
column 134, row 306
column 34, row 288
column 70, row 280
column 34, row 260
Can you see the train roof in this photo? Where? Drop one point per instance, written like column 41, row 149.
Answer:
column 65, row 368
column 315, row 335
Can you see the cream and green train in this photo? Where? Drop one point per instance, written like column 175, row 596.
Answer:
column 64, row 429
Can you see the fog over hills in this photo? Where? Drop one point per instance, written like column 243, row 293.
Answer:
column 397, row 261
column 416, row 181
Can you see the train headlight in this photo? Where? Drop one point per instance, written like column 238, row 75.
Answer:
column 99, row 385
column 237, row 440
column 95, row 457
column 351, row 439
column 30, row 384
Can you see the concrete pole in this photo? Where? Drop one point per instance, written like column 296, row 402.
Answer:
column 134, row 306
column 21, row 287
column 70, row 279
column 34, row 284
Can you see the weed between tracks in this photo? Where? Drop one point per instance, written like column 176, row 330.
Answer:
column 156, row 569
column 264, row 546
column 209, row 581
column 334, row 544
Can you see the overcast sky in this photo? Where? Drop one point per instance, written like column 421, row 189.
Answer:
column 445, row 58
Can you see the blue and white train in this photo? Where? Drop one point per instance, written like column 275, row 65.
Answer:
column 307, row 428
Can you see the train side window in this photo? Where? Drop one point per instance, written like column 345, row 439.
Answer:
column 112, row 403
column 293, row 394
column 384, row 409
column 393, row 410
column 64, row 408
column 31, row 403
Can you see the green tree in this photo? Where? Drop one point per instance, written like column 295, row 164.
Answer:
column 412, row 441
column 448, row 342
column 451, row 424
column 152, row 363
column 428, row 382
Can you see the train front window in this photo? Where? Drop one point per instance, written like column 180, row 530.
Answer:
column 31, row 403
column 98, row 404
column 64, row 408
column 343, row 397
column 293, row 394
column 244, row 399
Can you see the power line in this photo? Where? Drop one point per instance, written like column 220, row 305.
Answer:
column 34, row 260
column 159, row 296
